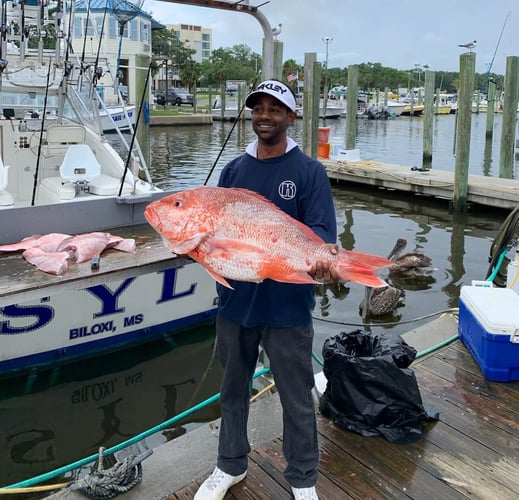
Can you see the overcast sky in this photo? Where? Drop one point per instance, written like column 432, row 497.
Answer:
column 396, row 33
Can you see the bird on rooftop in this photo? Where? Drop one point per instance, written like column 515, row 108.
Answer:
column 468, row 45
column 409, row 263
column 276, row 31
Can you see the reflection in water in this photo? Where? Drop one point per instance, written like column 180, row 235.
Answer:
column 487, row 156
column 104, row 401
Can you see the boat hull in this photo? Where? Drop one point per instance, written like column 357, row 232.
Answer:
column 116, row 118
column 129, row 297
column 83, row 318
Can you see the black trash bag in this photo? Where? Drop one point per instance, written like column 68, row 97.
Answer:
column 369, row 388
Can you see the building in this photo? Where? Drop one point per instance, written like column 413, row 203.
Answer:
column 196, row 38
column 117, row 54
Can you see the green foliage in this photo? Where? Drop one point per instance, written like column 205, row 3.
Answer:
column 167, row 47
column 241, row 63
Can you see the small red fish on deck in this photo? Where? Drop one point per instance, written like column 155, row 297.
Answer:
column 52, row 252
column 238, row 234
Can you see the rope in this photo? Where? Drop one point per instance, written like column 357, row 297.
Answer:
column 453, row 310
column 108, row 483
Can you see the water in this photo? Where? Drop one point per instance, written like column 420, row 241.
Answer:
column 56, row 416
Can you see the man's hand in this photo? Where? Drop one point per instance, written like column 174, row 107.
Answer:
column 322, row 270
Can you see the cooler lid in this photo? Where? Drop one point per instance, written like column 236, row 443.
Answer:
column 495, row 308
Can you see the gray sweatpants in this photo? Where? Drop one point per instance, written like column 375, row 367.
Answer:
column 290, row 354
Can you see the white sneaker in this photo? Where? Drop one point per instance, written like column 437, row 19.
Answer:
column 216, row 485
column 305, row 493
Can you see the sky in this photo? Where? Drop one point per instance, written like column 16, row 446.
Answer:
column 401, row 34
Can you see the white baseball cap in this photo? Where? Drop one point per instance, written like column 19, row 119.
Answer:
column 276, row 89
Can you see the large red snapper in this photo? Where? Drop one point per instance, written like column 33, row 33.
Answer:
column 238, row 234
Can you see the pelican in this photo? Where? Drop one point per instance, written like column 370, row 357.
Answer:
column 382, row 300
column 409, row 263
column 469, row 45
column 379, row 301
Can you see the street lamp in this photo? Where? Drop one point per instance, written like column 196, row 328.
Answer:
column 327, row 40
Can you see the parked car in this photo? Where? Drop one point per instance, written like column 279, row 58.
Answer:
column 174, row 96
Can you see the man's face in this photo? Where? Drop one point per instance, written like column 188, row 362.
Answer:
column 271, row 119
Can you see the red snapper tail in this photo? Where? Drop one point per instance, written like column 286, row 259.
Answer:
column 360, row 267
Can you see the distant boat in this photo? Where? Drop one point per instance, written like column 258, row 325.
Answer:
column 230, row 113
column 115, row 117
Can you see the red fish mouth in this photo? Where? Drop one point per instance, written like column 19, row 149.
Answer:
column 151, row 216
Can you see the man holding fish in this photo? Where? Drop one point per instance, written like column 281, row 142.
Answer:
column 276, row 315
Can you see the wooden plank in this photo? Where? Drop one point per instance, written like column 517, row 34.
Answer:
column 260, row 485
column 394, row 473
column 471, row 393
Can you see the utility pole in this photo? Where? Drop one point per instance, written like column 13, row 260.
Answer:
column 327, row 40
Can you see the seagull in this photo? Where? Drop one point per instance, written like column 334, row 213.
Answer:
column 469, row 45
column 276, row 31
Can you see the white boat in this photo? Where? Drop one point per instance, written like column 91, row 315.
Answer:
column 229, row 113
column 120, row 117
column 58, row 174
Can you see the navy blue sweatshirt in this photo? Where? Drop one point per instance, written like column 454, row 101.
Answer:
column 298, row 185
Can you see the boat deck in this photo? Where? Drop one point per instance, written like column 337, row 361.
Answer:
column 18, row 276
column 472, row 452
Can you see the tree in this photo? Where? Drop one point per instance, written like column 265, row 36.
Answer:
column 167, row 47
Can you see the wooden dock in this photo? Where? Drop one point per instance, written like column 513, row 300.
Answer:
column 472, row 452
column 482, row 190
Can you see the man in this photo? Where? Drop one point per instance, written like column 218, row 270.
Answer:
column 276, row 315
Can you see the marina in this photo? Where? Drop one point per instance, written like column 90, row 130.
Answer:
column 119, row 351
column 368, row 219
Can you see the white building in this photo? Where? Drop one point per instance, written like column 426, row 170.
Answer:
column 134, row 45
column 194, row 37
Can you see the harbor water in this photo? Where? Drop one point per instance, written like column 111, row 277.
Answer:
column 56, row 416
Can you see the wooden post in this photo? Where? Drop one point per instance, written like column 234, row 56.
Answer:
column 351, row 106
column 278, row 60
column 428, row 120
column 506, row 152
column 143, row 127
column 312, row 74
column 463, row 125
column 491, row 99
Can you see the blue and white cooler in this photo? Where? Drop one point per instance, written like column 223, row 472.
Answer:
column 489, row 328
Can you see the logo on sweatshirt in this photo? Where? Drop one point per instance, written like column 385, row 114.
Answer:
column 287, row 190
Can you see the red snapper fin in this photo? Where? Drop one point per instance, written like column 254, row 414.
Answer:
column 219, row 278
column 360, row 267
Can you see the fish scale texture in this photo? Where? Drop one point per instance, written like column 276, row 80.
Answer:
column 237, row 234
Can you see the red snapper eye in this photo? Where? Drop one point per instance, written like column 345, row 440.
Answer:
column 178, row 203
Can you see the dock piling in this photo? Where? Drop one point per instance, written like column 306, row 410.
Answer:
column 428, row 120
column 463, row 126
column 506, row 152
column 351, row 106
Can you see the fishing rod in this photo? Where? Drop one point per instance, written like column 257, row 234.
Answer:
column 143, row 104
column 85, row 38
column 42, row 129
column 228, row 136
column 485, row 83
